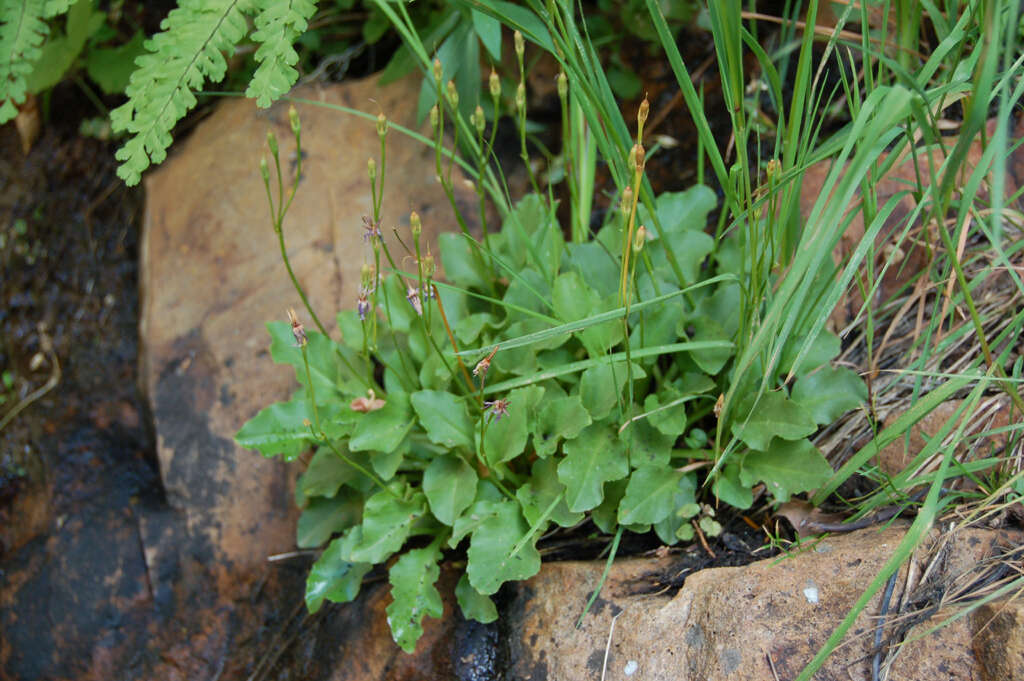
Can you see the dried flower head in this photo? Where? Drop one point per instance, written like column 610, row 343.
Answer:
column 497, row 408
column 484, row 365
column 413, row 296
column 297, row 330
column 372, row 228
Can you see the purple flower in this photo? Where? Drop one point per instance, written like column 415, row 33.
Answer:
column 372, row 229
column 413, row 296
column 498, row 408
column 362, row 306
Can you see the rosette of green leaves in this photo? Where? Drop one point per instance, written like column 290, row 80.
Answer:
column 607, row 416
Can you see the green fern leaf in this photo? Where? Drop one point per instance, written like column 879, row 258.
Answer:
column 279, row 23
column 189, row 50
column 22, row 34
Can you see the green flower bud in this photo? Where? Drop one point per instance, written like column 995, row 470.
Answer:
column 272, row 142
column 371, row 168
column 453, row 95
column 438, row 72
column 521, row 97
column 495, row 84
column 434, row 116
column 293, row 118
column 639, row 238
column 626, row 204
column 415, row 224
column 264, row 170
column 428, row 265
column 563, row 86
column 480, row 120
column 520, row 44
column 382, row 125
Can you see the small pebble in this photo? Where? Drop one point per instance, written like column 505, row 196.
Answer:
column 631, row 668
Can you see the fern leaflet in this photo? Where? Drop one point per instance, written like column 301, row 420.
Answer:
column 22, row 33
column 279, row 23
column 189, row 49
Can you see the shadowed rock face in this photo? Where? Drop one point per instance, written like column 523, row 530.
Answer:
column 143, row 566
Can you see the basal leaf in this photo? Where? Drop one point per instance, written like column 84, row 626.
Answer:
column 601, row 386
column 474, row 605
column 592, row 459
column 279, row 429
column 829, row 392
column 490, row 562
column 672, row 527
column 729, row 489
column 463, row 264
column 824, row 348
column 325, row 474
column 506, row 437
column 710, row 360
column 450, row 485
column 774, row 415
column 541, row 491
column 445, row 417
column 324, row 517
column 382, row 430
column 414, row 595
column 647, row 446
column 386, row 524
column 334, row 578
column 786, row 468
column 650, row 495
column 560, row 419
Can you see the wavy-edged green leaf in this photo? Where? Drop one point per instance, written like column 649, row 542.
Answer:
column 333, row 577
column 650, row 495
column 189, row 50
column 324, row 517
column 279, row 429
column 506, row 437
column 562, row 418
column 595, row 457
column 490, row 562
column 414, row 595
column 544, row 494
column 474, row 605
column 278, row 24
column 773, row 415
column 387, row 521
column 601, row 386
column 324, row 476
column 445, row 417
column 729, row 489
column 450, row 485
column 786, row 468
column 829, row 393
column 382, row 430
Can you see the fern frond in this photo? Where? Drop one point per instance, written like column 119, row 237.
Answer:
column 189, row 49
column 22, row 32
column 279, row 23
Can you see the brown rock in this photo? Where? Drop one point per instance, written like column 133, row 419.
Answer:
column 975, row 443
column 762, row 621
column 999, row 639
column 212, row 276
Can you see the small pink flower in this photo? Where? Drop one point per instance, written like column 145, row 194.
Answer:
column 362, row 305
column 413, row 296
column 372, row 229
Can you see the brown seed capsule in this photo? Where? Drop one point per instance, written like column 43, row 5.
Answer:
column 641, row 114
column 297, row 330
